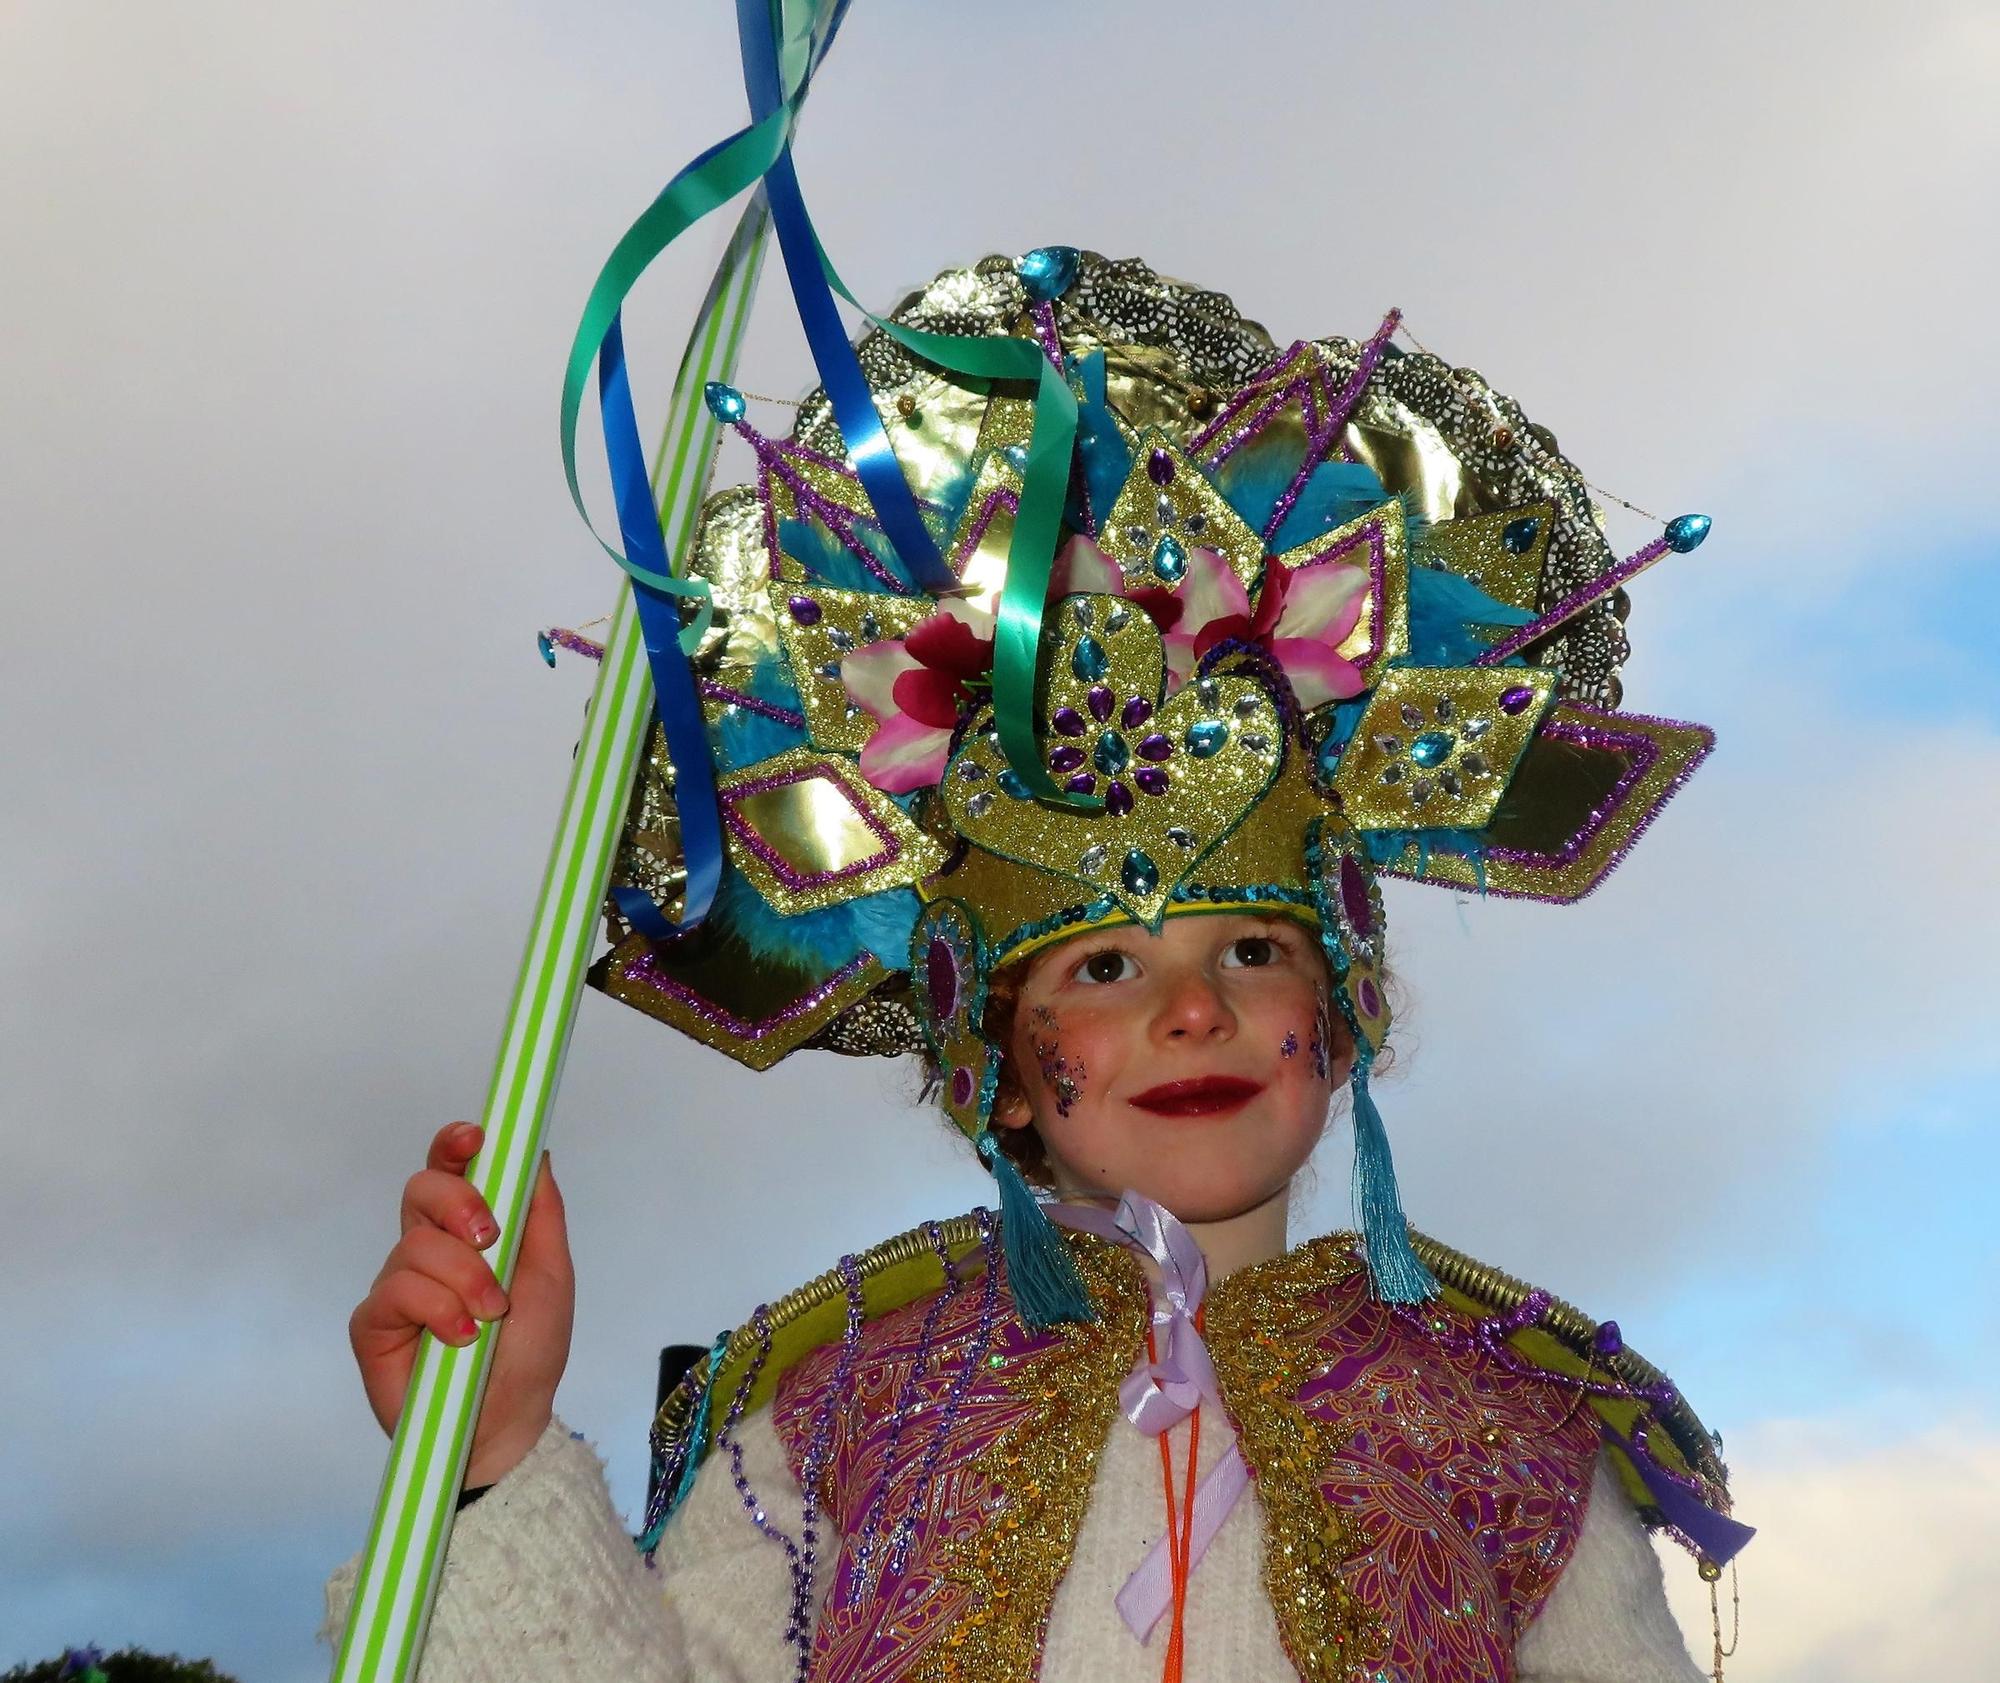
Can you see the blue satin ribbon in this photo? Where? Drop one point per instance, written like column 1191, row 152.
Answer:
column 846, row 387
column 673, row 679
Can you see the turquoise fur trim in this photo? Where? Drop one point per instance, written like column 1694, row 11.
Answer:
column 743, row 737
column 1336, row 493
column 1385, row 847
column 1444, row 610
column 1393, row 1266
column 1253, row 478
column 828, row 560
column 819, row 941
column 1041, row 1274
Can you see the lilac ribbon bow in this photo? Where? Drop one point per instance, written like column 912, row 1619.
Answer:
column 1164, row 1389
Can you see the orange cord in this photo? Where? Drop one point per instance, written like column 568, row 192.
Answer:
column 1180, row 1538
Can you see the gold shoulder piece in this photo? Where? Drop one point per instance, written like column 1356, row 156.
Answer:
column 893, row 1273
column 1562, row 1342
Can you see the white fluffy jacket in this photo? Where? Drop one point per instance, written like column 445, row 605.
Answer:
column 542, row 1585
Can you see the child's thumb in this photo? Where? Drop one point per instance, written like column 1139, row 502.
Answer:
column 547, row 1235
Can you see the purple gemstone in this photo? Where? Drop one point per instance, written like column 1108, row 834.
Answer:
column 804, row 609
column 1516, row 699
column 1065, row 756
column 1608, row 1340
column 1151, row 779
column 1354, row 897
column 1137, row 711
column 1117, row 800
column 1156, row 747
column 1371, row 999
column 1160, row 467
column 1100, row 700
column 941, row 974
column 961, row 1086
column 1069, row 721
column 1083, row 783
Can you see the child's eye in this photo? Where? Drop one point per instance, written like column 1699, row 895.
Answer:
column 1253, row 952
column 1108, row 966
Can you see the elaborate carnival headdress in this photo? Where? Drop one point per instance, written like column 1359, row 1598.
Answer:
column 1317, row 615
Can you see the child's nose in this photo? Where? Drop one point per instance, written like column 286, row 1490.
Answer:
column 1194, row 1008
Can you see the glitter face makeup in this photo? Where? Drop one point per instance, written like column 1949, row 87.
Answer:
column 1290, row 1049
column 1322, row 1033
column 1063, row 1079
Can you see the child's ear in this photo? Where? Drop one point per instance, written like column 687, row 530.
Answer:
column 1010, row 1105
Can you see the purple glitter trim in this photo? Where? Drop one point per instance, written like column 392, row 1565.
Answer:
column 712, row 691
column 976, row 533
column 647, row 973
column 781, row 868
column 576, row 644
column 1045, row 331
column 1253, row 392
column 1321, row 433
column 1575, row 603
column 773, row 459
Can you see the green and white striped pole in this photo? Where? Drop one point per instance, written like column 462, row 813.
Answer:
column 418, row 1500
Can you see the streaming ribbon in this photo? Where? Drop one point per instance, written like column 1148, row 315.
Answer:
column 1158, row 1394
column 780, row 57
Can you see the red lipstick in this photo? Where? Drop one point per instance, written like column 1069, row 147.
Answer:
column 1210, row 1095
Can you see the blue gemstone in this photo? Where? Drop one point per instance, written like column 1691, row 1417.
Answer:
column 1686, row 531
column 1090, row 661
column 1017, row 457
column 1170, row 559
column 1517, row 537
column 1139, row 874
column 1048, row 271
column 548, row 649
column 1111, row 755
column 1432, row 747
column 1206, row 738
column 725, row 403
column 1011, row 784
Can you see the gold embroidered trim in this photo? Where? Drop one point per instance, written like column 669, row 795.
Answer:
column 1043, row 1471
column 1260, row 1337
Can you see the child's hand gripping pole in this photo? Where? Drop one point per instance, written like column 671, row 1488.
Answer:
column 427, row 1457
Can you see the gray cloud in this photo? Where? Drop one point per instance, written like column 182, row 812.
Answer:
column 289, row 295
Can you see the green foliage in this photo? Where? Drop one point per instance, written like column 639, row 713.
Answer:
column 128, row 1665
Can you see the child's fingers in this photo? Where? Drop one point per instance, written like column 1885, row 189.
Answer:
column 455, row 1145
column 441, row 1198
column 399, row 1306
column 453, row 1264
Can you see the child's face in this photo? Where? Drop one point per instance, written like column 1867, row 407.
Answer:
column 1195, row 1065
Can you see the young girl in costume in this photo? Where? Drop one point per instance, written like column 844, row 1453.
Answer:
column 1324, row 614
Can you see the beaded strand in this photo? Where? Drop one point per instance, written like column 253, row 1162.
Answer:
column 906, row 1405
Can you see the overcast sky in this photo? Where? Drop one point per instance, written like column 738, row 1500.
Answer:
column 287, row 295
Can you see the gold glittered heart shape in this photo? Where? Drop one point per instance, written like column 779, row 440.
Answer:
column 1175, row 776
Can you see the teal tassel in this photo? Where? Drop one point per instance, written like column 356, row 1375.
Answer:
column 1399, row 1277
column 1040, row 1271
